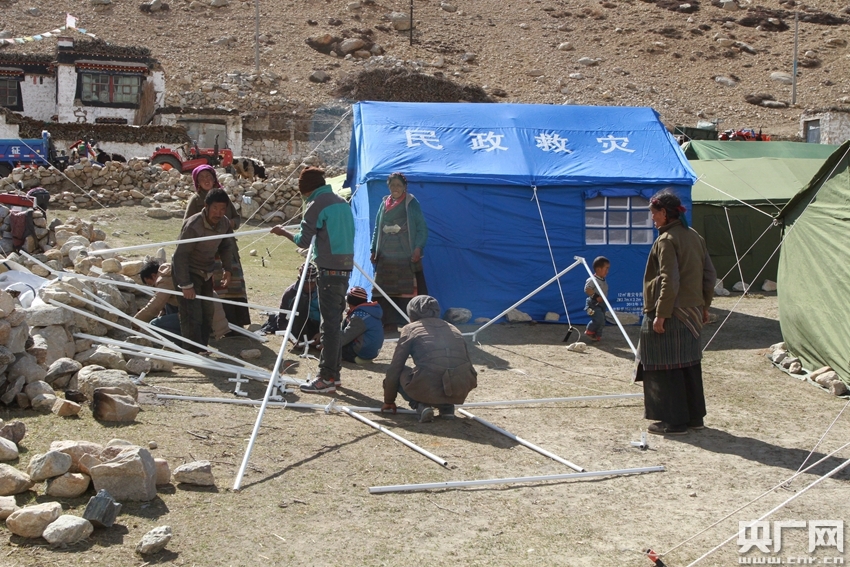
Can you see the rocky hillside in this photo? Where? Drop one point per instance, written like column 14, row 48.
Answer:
column 691, row 60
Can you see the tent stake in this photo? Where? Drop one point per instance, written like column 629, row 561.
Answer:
column 515, row 480
column 522, row 441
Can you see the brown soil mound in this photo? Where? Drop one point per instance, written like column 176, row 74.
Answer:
column 401, row 85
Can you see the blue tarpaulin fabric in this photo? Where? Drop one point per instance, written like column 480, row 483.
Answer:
column 476, row 168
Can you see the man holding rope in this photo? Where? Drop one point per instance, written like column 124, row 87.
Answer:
column 329, row 218
column 193, row 264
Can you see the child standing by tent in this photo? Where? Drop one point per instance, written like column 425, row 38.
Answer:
column 595, row 305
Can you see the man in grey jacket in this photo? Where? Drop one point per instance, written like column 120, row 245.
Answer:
column 193, row 264
column 443, row 374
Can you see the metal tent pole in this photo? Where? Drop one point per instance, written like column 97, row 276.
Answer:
column 290, row 405
column 276, row 371
column 524, row 299
column 522, row 441
column 611, row 309
column 184, row 241
column 376, row 286
column 548, row 400
column 515, row 480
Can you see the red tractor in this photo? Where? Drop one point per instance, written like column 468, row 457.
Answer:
column 192, row 157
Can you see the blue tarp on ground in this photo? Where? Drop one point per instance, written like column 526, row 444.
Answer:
column 475, row 169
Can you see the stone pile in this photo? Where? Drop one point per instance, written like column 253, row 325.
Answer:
column 825, row 377
column 88, row 185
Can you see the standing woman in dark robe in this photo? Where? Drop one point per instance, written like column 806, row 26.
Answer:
column 397, row 244
column 678, row 287
column 204, row 179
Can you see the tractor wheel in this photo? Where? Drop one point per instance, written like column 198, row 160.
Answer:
column 5, row 170
column 172, row 161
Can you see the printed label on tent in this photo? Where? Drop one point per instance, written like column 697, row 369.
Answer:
column 629, row 302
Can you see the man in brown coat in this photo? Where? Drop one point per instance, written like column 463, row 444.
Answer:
column 443, row 374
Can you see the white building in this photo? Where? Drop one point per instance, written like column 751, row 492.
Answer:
column 826, row 126
column 87, row 81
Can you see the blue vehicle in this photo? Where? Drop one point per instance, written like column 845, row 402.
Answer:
column 30, row 152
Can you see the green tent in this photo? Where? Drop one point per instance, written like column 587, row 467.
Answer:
column 734, row 202
column 814, row 268
column 703, row 149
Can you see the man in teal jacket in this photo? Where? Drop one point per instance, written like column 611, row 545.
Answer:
column 329, row 218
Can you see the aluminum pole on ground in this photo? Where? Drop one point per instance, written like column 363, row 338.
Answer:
column 548, row 400
column 522, row 441
column 515, row 480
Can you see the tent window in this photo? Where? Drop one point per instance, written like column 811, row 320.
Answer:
column 617, row 220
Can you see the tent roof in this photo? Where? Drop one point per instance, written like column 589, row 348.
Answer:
column 704, row 149
column 513, row 144
column 813, row 186
column 757, row 180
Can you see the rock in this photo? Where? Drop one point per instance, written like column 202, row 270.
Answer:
column 42, row 402
column 457, row 315
column 31, row 521
column 351, row 45
column 102, row 510
column 88, row 461
column 69, row 485
column 588, row 61
column 39, row 315
column 727, row 81
column 815, row 374
column 781, row 77
column 67, row 530
column 106, row 379
column 6, row 356
column 154, row 541
column 250, row 354
column 61, row 370
column 566, row 46
column 65, row 408
column 198, row 473
column 163, row 472
column 12, row 390
column 826, row 378
column 400, row 21
column 481, row 321
column 720, row 290
column 18, row 336
column 788, row 361
column 577, row 347
column 319, row 77
column 38, row 388
column 795, row 367
column 76, row 450
column 517, row 316
column 837, row 388
column 551, row 316
column 132, row 268
column 8, row 450
column 7, row 303
column 48, row 465
column 740, row 286
column 27, row 368
column 219, row 3
column 113, row 407
column 729, row 5
column 139, row 366
column 111, row 266
column 102, row 355
column 778, row 356
column 13, row 481
column 14, row 431
column 158, row 213
column 8, row 504
column 75, row 396
column 129, row 476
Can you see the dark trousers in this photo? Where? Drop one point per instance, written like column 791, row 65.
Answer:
column 332, row 305
column 196, row 315
column 418, row 406
column 169, row 322
column 674, row 396
column 393, row 317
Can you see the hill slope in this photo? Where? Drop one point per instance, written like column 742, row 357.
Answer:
column 664, row 54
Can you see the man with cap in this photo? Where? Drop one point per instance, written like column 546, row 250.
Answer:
column 442, row 376
column 308, row 318
column 193, row 264
column 363, row 331
column 327, row 217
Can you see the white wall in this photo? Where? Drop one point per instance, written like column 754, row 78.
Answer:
column 233, row 122
column 69, row 112
column 126, row 150
column 7, row 131
column 834, row 126
column 38, row 93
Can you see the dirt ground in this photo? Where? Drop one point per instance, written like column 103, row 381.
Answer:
column 305, row 499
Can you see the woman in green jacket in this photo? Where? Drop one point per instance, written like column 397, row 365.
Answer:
column 397, row 245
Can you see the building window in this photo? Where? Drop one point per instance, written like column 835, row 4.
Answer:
column 617, row 220
column 8, row 92
column 115, row 89
column 811, row 132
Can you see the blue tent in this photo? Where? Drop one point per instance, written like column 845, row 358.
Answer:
column 494, row 179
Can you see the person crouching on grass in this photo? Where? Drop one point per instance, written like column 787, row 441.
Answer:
column 362, row 331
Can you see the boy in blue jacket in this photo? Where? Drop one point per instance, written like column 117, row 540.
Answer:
column 362, row 330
